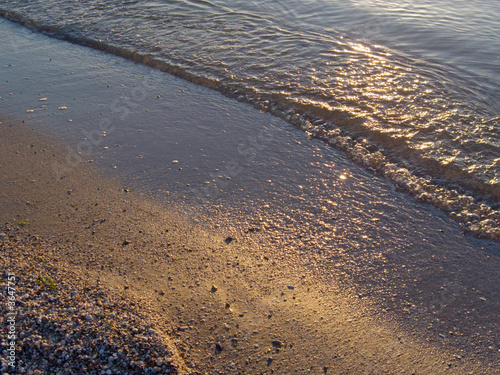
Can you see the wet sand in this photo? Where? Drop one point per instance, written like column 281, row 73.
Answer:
column 230, row 306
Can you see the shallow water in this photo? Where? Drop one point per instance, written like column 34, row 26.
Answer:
column 410, row 89
column 240, row 168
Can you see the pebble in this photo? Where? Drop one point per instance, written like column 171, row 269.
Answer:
column 277, row 344
column 79, row 327
column 218, row 348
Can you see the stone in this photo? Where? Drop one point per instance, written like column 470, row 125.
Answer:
column 218, row 348
column 277, row 344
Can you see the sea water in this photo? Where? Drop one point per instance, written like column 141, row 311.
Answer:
column 409, row 89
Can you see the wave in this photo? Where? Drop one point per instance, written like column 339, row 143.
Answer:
column 415, row 124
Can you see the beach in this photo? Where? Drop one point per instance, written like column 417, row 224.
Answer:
column 227, row 307
column 235, row 242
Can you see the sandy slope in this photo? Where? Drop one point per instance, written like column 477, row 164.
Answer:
column 233, row 310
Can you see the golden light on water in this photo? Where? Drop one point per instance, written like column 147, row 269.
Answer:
column 360, row 47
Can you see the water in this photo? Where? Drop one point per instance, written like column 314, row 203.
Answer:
column 408, row 89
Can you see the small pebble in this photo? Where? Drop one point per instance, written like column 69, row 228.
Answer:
column 277, row 344
column 79, row 315
column 218, row 348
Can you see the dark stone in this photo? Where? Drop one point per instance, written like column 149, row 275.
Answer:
column 277, row 344
column 218, row 348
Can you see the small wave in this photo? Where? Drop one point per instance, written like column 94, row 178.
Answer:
column 352, row 121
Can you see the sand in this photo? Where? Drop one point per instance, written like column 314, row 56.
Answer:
column 228, row 306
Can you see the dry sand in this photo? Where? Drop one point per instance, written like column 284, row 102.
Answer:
column 228, row 308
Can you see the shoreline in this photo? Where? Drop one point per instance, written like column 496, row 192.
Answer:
column 232, row 308
column 455, row 192
column 262, row 250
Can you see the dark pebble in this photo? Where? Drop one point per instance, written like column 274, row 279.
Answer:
column 218, row 348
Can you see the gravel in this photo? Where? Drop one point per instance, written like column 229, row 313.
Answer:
column 67, row 323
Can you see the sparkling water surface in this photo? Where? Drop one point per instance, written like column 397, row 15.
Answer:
column 409, row 89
